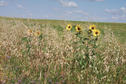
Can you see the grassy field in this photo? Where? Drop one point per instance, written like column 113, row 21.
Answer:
column 119, row 29
column 45, row 52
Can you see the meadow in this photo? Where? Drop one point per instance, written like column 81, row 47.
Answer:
column 36, row 51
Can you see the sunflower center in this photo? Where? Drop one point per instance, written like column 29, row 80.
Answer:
column 92, row 28
column 68, row 26
column 78, row 28
column 96, row 32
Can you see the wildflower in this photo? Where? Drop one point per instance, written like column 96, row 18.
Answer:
column 29, row 32
column 69, row 27
column 78, row 28
column 96, row 32
column 89, row 31
column 37, row 33
column 92, row 27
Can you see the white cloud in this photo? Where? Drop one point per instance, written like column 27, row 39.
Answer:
column 123, row 9
column 120, row 11
column 80, row 12
column 82, row 15
column 123, row 17
column 98, row 18
column 113, row 11
column 96, row 0
column 3, row 3
column 20, row 6
column 68, row 3
column 117, row 14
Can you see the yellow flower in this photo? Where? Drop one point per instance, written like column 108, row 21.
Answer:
column 69, row 27
column 29, row 32
column 92, row 27
column 78, row 28
column 37, row 33
column 96, row 32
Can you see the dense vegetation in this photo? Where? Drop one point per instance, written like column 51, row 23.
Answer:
column 61, row 52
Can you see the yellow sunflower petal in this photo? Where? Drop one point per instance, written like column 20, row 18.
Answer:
column 96, row 32
column 92, row 27
column 78, row 28
column 69, row 27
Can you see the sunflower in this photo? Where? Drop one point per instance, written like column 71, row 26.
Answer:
column 29, row 32
column 92, row 27
column 78, row 28
column 37, row 33
column 96, row 32
column 69, row 27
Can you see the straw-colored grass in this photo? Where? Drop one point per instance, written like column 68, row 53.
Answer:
column 49, row 54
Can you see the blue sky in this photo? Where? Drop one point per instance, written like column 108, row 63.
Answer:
column 81, row 10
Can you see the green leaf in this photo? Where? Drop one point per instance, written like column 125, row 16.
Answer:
column 40, row 37
column 25, row 39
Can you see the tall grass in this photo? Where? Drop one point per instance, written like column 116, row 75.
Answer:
column 58, row 56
